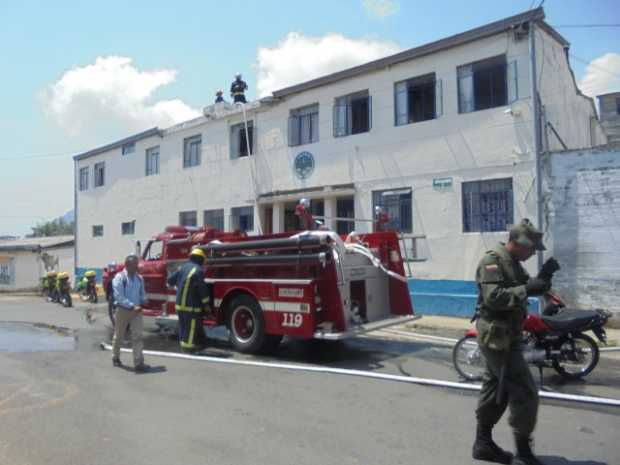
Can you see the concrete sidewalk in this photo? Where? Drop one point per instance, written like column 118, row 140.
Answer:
column 454, row 327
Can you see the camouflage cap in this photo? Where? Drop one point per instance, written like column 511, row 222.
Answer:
column 526, row 234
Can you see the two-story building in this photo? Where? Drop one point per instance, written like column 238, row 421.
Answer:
column 447, row 137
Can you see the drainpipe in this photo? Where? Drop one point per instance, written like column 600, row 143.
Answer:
column 537, row 134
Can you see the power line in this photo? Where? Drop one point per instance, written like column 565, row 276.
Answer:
column 40, row 155
column 589, row 63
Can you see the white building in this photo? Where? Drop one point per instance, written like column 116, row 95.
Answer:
column 23, row 262
column 442, row 135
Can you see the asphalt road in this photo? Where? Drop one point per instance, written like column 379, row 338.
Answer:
column 71, row 407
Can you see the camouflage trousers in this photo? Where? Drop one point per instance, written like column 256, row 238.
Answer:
column 520, row 392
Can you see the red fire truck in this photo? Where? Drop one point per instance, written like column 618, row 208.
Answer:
column 310, row 284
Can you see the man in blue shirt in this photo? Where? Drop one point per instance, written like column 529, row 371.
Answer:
column 129, row 296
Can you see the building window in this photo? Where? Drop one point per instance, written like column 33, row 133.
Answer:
column 214, row 218
column 98, row 230
column 487, row 205
column 242, row 218
column 352, row 114
column 397, row 204
column 192, row 147
column 129, row 147
column 487, row 84
column 345, row 208
column 84, row 178
column 303, row 126
column 238, row 142
column 618, row 105
column 99, row 174
column 418, row 99
column 188, row 218
column 152, row 161
column 128, row 228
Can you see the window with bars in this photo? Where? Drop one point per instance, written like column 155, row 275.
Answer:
column 152, row 161
column 128, row 228
column 487, row 205
column 214, row 218
column 84, row 178
column 303, row 126
column 345, row 208
column 352, row 114
column 98, row 230
column 99, row 174
column 238, row 142
column 418, row 99
column 192, row 147
column 188, row 218
column 487, row 84
column 397, row 204
column 242, row 218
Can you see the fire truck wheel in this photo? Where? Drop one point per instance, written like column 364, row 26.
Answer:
column 247, row 325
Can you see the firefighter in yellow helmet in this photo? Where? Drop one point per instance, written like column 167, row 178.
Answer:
column 192, row 300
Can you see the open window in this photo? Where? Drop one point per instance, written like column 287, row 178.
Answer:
column 239, row 146
column 487, row 84
column 418, row 99
column 352, row 114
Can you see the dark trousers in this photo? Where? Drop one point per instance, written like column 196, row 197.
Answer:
column 520, row 391
column 191, row 332
column 239, row 98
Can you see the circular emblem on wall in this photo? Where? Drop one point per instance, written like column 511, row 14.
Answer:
column 304, row 165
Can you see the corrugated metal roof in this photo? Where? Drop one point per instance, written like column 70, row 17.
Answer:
column 433, row 47
column 36, row 243
column 136, row 137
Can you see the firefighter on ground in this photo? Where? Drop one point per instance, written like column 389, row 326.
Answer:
column 504, row 287
column 238, row 88
column 192, row 300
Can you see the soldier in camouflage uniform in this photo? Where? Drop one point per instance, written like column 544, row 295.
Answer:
column 504, row 287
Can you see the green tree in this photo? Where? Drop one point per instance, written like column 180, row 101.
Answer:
column 57, row 227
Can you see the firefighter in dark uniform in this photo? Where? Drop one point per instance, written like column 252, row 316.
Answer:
column 504, row 287
column 191, row 301
column 238, row 88
column 219, row 97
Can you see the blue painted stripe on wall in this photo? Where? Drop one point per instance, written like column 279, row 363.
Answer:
column 448, row 297
column 79, row 272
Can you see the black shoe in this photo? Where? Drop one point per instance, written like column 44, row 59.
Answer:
column 142, row 368
column 524, row 456
column 485, row 448
column 116, row 362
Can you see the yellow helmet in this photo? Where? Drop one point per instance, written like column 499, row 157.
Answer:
column 197, row 252
column 51, row 274
column 63, row 275
column 90, row 273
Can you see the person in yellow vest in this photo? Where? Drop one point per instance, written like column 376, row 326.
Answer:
column 191, row 301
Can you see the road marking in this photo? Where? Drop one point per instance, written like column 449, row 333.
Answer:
column 369, row 374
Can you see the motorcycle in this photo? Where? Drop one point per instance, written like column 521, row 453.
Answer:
column 556, row 339
column 88, row 287
column 64, row 290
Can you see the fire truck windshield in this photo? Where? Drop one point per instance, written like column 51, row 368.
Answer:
column 154, row 250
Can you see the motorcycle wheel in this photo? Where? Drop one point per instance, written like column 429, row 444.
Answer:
column 468, row 359
column 578, row 356
column 93, row 297
column 66, row 301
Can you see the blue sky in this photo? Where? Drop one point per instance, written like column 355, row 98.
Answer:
column 185, row 50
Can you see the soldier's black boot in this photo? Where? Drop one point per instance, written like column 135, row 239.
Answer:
column 524, row 456
column 486, row 449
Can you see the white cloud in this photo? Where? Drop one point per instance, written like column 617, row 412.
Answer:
column 113, row 89
column 380, row 9
column 602, row 75
column 298, row 58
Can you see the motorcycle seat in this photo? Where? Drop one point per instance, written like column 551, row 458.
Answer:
column 568, row 320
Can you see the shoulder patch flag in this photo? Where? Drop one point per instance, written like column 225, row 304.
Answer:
column 491, row 268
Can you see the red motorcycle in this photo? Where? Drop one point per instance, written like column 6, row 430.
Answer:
column 555, row 340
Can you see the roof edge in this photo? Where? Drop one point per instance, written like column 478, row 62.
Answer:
column 462, row 38
column 134, row 138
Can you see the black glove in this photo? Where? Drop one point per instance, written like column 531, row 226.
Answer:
column 537, row 286
column 549, row 268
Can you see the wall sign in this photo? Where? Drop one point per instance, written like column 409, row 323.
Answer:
column 442, row 183
column 304, row 165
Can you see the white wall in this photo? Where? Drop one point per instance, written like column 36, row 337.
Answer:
column 584, row 218
column 28, row 268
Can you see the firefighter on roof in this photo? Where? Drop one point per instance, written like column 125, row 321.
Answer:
column 238, row 88
column 191, row 301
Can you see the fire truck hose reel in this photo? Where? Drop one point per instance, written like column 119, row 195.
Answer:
column 369, row 374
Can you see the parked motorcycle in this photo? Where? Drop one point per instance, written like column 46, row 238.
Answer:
column 88, row 287
column 555, row 340
column 64, row 290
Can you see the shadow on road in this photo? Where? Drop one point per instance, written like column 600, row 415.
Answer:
column 555, row 460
